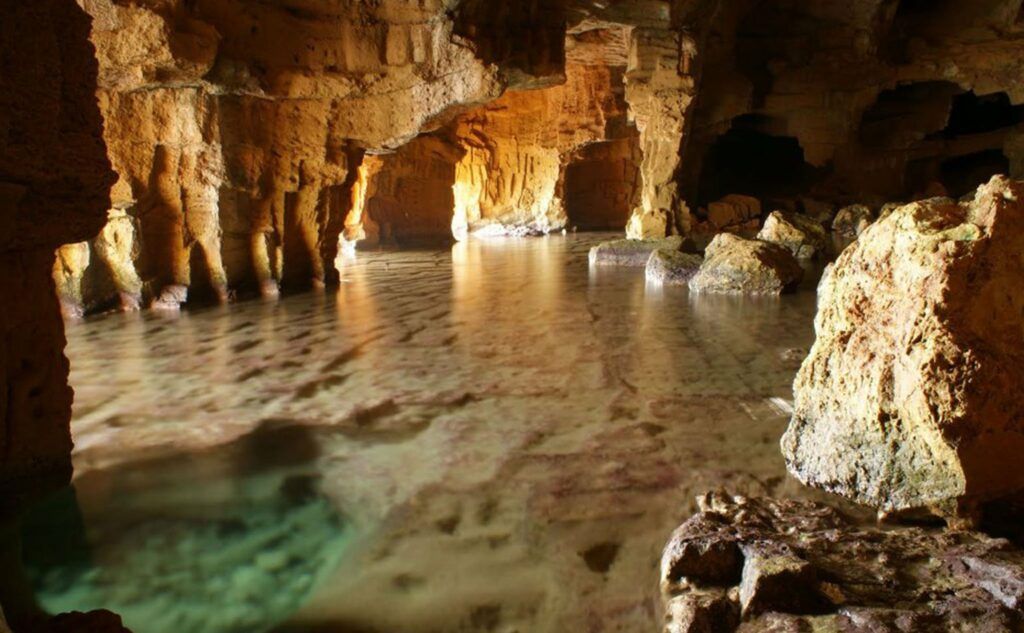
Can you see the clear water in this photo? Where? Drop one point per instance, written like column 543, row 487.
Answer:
column 488, row 438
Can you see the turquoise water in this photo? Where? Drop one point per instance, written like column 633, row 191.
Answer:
column 492, row 437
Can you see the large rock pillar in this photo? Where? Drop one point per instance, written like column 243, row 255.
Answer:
column 54, row 189
column 662, row 81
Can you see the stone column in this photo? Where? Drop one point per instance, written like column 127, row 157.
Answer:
column 662, row 80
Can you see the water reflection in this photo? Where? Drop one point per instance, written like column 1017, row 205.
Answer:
column 230, row 540
column 511, row 435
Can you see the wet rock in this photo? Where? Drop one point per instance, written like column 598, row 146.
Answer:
column 910, row 395
column 851, row 221
column 672, row 267
column 807, row 567
column 710, row 611
column 632, row 253
column 740, row 266
column 804, row 236
column 171, row 298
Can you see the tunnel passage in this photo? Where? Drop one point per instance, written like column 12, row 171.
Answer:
column 602, row 185
column 749, row 159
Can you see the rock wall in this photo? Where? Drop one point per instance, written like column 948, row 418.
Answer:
column 868, row 101
column 54, row 179
column 517, row 148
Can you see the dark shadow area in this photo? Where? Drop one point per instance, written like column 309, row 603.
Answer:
column 907, row 114
column 602, row 185
column 963, row 174
column 748, row 160
column 973, row 114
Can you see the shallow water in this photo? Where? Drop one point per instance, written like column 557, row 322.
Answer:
column 488, row 438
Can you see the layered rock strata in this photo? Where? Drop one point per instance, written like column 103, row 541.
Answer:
column 766, row 565
column 910, row 396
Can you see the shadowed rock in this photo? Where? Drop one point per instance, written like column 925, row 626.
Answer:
column 672, row 268
column 807, row 567
column 631, row 253
column 805, row 237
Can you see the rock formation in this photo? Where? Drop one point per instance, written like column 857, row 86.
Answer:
column 805, row 237
column 672, row 267
column 54, row 179
column 631, row 253
column 851, row 221
column 764, row 565
column 910, row 396
column 735, row 265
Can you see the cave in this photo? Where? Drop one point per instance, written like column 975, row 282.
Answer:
column 448, row 316
column 748, row 159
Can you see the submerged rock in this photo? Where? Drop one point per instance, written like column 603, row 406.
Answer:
column 804, row 236
column 736, row 265
column 628, row 252
column 851, row 221
column 672, row 267
column 910, row 397
column 795, row 566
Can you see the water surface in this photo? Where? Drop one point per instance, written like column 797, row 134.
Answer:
column 488, row 438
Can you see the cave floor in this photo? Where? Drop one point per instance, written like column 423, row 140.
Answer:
column 492, row 438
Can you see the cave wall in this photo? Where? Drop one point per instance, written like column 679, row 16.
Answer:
column 54, row 183
column 238, row 129
column 866, row 89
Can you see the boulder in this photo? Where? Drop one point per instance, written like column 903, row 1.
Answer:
column 802, row 566
column 733, row 210
column 804, row 236
column 631, row 253
column 672, row 267
column 851, row 221
column 740, row 266
column 910, row 396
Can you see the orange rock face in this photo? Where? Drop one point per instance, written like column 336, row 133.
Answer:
column 54, row 178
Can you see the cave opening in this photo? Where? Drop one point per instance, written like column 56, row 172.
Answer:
column 602, row 184
column 977, row 114
column 751, row 159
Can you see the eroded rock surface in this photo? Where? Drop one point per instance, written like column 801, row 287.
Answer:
column 736, row 265
column 672, row 267
column 771, row 565
column 804, row 236
column 851, row 221
column 631, row 253
column 910, row 396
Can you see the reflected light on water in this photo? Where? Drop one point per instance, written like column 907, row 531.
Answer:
column 485, row 419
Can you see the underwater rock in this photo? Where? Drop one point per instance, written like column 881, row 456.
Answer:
column 910, row 397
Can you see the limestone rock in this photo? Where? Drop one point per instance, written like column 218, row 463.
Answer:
column 804, row 566
column 851, row 221
column 631, row 253
column 910, row 395
column 672, row 267
column 740, row 266
column 805, row 237
column 733, row 210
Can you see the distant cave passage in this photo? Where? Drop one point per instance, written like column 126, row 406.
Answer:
column 963, row 174
column 974, row 114
column 751, row 162
column 602, row 185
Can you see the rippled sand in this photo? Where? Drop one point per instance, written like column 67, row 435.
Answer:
column 509, row 435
